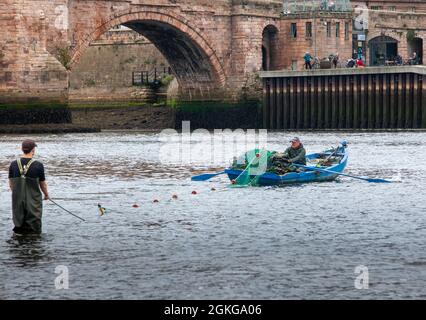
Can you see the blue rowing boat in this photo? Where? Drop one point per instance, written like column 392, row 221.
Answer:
column 319, row 171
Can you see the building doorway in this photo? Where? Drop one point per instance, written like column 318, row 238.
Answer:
column 270, row 48
column 416, row 45
column 382, row 49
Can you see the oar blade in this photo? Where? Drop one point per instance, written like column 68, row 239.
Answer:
column 378, row 181
column 206, row 176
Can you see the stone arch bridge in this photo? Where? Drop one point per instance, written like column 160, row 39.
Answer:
column 214, row 47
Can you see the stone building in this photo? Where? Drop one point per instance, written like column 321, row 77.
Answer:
column 387, row 28
column 320, row 27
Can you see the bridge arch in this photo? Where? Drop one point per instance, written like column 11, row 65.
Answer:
column 193, row 60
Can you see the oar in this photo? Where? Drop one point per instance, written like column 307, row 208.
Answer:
column 66, row 210
column 206, row 176
column 343, row 174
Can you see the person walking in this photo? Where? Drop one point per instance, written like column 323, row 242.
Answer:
column 27, row 182
column 360, row 54
column 335, row 60
column 307, row 58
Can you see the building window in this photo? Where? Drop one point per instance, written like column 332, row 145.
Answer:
column 413, row 9
column 293, row 30
column 392, row 8
column 337, row 29
column 308, row 29
column 8, row 76
column 346, row 30
column 328, row 29
column 376, row 8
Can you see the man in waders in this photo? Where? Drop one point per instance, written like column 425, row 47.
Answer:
column 27, row 181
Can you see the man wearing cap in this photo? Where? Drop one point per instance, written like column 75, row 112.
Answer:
column 296, row 153
column 27, row 181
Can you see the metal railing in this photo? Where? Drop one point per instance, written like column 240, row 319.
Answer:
column 142, row 78
column 300, row 6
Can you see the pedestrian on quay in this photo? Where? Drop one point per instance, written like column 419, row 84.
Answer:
column 360, row 63
column 360, row 54
column 335, row 60
column 307, row 58
column 414, row 59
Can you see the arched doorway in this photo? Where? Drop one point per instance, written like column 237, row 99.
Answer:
column 382, row 49
column 270, row 48
column 416, row 45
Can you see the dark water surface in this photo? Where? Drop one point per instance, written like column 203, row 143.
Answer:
column 300, row 241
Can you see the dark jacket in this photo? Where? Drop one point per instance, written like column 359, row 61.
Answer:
column 297, row 156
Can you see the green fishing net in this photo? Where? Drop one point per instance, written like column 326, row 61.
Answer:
column 254, row 163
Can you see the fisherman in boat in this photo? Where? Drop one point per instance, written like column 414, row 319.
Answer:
column 27, row 181
column 295, row 154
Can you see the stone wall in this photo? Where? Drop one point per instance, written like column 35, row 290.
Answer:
column 418, row 6
column 321, row 44
column 28, row 69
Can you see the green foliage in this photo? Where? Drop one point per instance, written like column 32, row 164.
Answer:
column 411, row 34
column 167, row 80
column 89, row 82
column 172, row 103
column 64, row 57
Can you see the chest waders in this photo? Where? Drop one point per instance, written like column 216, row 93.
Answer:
column 27, row 201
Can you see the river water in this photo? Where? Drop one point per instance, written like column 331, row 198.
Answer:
column 294, row 242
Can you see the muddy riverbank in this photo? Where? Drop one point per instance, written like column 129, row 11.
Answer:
column 146, row 117
column 80, row 118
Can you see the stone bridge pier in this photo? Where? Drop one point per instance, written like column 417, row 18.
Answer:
column 213, row 47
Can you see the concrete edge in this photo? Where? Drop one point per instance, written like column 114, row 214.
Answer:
column 344, row 71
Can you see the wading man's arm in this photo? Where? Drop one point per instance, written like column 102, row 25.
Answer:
column 10, row 184
column 43, row 187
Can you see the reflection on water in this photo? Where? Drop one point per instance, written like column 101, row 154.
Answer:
column 302, row 241
column 26, row 251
